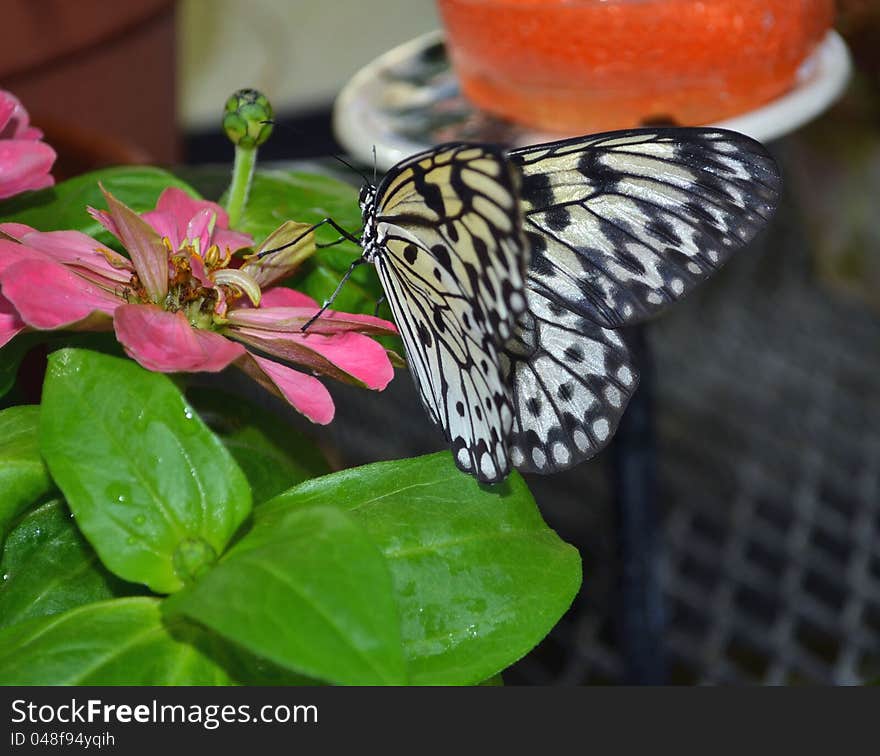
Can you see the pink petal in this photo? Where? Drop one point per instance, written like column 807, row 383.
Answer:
column 24, row 166
column 12, row 252
column 292, row 319
column 304, row 392
column 231, row 240
column 164, row 224
column 104, row 218
column 280, row 296
column 14, row 119
column 332, row 321
column 175, row 210
column 166, row 342
column 7, row 108
column 200, row 272
column 199, row 228
column 144, row 245
column 10, row 323
column 49, row 296
column 82, row 251
column 183, row 207
column 15, row 230
column 348, row 357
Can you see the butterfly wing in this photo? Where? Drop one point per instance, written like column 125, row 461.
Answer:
column 452, row 260
column 571, row 381
column 623, row 223
column 619, row 224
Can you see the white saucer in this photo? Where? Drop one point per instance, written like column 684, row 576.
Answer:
column 408, row 99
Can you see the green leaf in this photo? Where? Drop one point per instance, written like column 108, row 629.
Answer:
column 120, row 642
column 24, row 479
column 479, row 577
column 63, row 206
column 305, row 589
column 273, row 455
column 48, row 568
column 277, row 196
column 496, row 681
column 11, row 356
column 153, row 490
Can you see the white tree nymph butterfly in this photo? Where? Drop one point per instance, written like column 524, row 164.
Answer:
column 508, row 273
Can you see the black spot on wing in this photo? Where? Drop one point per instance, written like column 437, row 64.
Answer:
column 574, row 353
column 661, row 229
column 441, row 255
column 600, row 175
column 557, row 218
column 537, row 190
column 424, row 334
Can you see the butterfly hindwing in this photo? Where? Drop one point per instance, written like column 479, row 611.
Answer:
column 623, row 223
column 572, row 380
column 452, row 260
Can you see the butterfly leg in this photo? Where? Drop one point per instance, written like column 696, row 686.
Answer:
column 379, row 302
column 344, row 236
column 327, row 302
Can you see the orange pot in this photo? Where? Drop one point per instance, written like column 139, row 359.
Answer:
column 588, row 65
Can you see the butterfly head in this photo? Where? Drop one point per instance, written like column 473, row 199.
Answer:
column 367, row 198
column 367, row 202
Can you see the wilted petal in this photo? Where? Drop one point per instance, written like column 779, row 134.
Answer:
column 10, row 323
column 24, row 165
column 166, row 342
column 144, row 245
column 348, row 357
column 304, row 392
column 49, row 296
column 240, row 280
column 273, row 267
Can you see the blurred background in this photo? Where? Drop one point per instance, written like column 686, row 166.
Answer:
column 731, row 533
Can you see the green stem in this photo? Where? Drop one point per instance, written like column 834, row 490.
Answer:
column 242, row 174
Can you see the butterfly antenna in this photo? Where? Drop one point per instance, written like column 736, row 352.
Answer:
column 375, row 169
column 349, row 165
column 329, row 301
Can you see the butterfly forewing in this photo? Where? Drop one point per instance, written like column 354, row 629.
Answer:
column 623, row 223
column 451, row 258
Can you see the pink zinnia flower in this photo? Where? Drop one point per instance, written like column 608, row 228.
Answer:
column 25, row 161
column 178, row 304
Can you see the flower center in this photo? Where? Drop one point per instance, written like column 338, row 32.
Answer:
column 194, row 286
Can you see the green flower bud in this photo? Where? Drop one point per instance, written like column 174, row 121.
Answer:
column 245, row 118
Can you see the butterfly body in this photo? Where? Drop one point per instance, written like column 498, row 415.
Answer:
column 509, row 273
